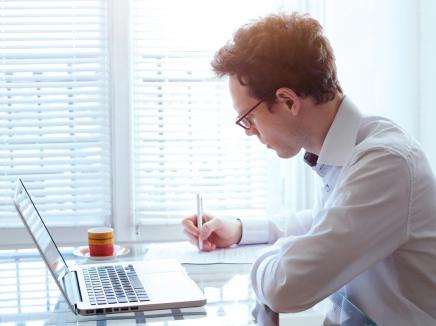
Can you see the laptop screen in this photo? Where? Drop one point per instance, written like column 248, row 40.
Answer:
column 40, row 234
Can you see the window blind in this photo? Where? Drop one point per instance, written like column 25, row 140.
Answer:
column 184, row 137
column 54, row 119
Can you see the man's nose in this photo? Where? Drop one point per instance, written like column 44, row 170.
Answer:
column 252, row 131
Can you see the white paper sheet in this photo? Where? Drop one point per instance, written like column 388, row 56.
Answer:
column 186, row 253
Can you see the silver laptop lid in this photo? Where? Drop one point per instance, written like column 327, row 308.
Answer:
column 42, row 238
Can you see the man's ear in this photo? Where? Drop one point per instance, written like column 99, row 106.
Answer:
column 288, row 97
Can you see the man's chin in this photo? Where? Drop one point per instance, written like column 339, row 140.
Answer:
column 286, row 154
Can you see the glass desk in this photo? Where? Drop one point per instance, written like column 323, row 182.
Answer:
column 29, row 296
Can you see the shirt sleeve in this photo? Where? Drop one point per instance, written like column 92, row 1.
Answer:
column 268, row 231
column 364, row 221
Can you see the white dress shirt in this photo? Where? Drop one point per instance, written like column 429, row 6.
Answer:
column 371, row 234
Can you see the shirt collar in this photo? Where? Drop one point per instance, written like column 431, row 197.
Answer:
column 341, row 137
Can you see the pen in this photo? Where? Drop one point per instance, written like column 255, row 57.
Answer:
column 199, row 219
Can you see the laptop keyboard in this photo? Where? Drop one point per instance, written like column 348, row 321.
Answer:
column 113, row 284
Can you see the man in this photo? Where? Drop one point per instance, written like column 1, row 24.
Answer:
column 372, row 232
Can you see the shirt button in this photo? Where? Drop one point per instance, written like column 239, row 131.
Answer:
column 327, row 188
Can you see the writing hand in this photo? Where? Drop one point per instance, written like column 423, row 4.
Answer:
column 215, row 233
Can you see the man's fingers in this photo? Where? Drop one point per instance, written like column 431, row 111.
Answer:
column 210, row 227
column 190, row 225
column 192, row 230
column 190, row 220
column 208, row 246
column 192, row 238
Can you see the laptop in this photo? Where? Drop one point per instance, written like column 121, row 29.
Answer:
column 109, row 287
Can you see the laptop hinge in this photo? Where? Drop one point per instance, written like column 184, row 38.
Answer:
column 71, row 283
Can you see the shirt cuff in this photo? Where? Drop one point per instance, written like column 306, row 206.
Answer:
column 254, row 230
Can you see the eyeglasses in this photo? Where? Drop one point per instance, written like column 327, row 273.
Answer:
column 245, row 122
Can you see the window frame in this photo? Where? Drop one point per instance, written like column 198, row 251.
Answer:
column 120, row 81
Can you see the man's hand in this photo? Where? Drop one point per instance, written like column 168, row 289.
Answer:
column 215, row 233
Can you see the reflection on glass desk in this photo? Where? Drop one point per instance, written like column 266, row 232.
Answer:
column 29, row 296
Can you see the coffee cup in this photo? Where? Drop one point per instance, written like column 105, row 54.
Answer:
column 101, row 241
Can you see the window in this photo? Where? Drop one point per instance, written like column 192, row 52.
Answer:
column 54, row 112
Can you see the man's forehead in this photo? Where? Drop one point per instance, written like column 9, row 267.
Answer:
column 239, row 93
column 236, row 84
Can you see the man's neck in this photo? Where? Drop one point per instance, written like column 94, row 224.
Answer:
column 322, row 117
